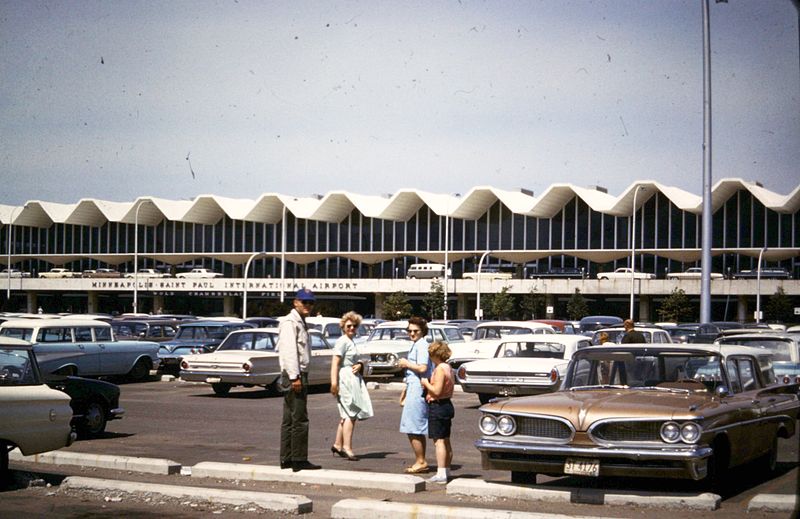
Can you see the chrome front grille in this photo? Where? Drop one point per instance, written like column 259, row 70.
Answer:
column 628, row 431
column 543, row 428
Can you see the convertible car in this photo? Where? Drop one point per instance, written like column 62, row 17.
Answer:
column 645, row 411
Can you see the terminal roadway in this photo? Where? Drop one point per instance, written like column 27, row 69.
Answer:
column 188, row 424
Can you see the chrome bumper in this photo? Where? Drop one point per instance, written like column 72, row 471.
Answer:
column 508, row 389
column 116, row 413
column 255, row 379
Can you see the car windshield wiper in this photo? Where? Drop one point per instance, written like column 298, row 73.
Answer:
column 599, row 386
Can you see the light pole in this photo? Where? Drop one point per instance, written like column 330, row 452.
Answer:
column 8, row 266
column 707, row 224
column 758, row 286
column 633, row 245
column 136, row 256
column 246, row 269
column 446, row 248
column 478, row 311
column 283, row 250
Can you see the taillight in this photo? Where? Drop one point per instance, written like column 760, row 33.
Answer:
column 184, row 364
column 462, row 373
column 553, row 375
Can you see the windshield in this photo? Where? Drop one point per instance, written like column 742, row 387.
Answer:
column 17, row 333
column 16, row 368
column 640, row 368
column 387, row 334
column 498, row 331
column 616, row 336
column 249, row 341
column 550, row 350
column 781, row 349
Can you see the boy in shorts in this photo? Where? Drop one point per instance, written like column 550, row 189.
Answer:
column 439, row 391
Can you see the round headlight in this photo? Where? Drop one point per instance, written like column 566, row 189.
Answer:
column 670, row 432
column 690, row 432
column 506, row 425
column 391, row 358
column 246, row 366
column 184, row 364
column 488, row 424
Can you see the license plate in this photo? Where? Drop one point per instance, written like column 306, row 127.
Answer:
column 582, row 467
column 213, row 380
column 507, row 391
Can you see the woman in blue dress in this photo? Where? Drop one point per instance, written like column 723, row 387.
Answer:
column 348, row 386
column 414, row 420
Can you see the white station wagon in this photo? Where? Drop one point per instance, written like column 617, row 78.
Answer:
column 487, row 336
column 522, row 365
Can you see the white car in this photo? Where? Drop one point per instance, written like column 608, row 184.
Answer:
column 692, row 273
column 14, row 273
column 57, row 273
column 651, row 335
column 35, row 418
column 199, row 273
column 249, row 358
column 487, row 337
column 486, row 275
column 522, row 365
column 624, row 273
column 389, row 342
column 148, row 273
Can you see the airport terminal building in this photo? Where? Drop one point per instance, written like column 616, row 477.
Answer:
column 375, row 239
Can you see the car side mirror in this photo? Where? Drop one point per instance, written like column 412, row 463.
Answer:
column 721, row 391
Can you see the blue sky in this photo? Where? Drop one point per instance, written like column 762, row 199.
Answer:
column 107, row 99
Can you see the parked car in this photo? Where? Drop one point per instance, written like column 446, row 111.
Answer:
column 199, row 273
column 156, row 330
column 195, row 337
column 263, row 322
column 389, row 342
column 487, row 336
column 558, row 325
column 559, row 272
column 330, row 329
column 590, row 323
column 101, row 273
column 84, row 347
column 616, row 334
column 624, row 273
column 93, row 402
column 249, row 358
column 426, row 271
column 766, row 273
column 783, row 347
column 57, row 273
column 148, row 273
column 693, row 273
column 486, row 274
column 14, row 273
column 35, row 418
column 522, row 365
column 644, row 411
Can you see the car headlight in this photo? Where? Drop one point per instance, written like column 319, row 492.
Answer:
column 488, row 424
column 506, row 425
column 391, row 358
column 690, row 432
column 670, row 432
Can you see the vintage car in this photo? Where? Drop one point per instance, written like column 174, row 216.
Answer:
column 693, row 273
column 559, row 272
column 590, row 323
column 156, row 330
column 486, row 274
column 625, row 273
column 195, row 337
column 766, row 273
column 14, row 273
column 389, row 342
column 617, row 333
column 249, row 358
column 148, row 273
column 560, row 326
column 486, row 338
column 199, row 273
column 329, row 326
column 35, row 418
column 84, row 347
column 101, row 273
column 93, row 402
column 522, row 365
column 688, row 412
column 784, row 348
column 56, row 273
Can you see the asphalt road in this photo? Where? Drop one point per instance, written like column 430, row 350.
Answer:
column 188, row 424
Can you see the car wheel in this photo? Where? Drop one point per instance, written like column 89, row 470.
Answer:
column 221, row 389
column 717, row 468
column 94, row 420
column 139, row 371
column 485, row 397
column 4, row 475
column 527, row 478
column 769, row 461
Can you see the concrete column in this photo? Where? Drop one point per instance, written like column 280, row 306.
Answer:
column 33, row 305
column 742, row 314
column 227, row 306
column 92, row 304
column 549, row 300
column 158, row 304
column 378, row 312
column 462, row 307
column 644, row 308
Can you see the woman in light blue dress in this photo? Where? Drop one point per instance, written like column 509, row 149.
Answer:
column 348, row 386
column 414, row 420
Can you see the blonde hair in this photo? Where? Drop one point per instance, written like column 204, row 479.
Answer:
column 351, row 316
column 440, row 350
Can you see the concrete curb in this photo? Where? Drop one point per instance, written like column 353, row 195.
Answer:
column 102, row 461
column 773, row 503
column 360, row 508
column 285, row 503
column 342, row 478
column 480, row 488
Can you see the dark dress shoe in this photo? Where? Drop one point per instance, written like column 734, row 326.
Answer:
column 286, row 464
column 297, row 466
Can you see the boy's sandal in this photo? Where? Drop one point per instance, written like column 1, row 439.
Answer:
column 417, row 470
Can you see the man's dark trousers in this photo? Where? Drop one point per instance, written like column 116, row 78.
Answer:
column 294, row 426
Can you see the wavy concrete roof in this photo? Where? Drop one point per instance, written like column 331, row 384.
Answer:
column 337, row 205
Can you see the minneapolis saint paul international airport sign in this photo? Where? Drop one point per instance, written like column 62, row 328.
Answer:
column 225, row 285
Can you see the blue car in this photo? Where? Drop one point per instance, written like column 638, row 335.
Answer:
column 195, row 337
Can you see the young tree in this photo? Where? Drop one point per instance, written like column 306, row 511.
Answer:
column 396, row 306
column 433, row 302
column 779, row 307
column 500, row 305
column 577, row 308
column 676, row 307
column 533, row 305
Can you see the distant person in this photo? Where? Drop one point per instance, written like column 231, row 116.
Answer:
column 439, row 391
column 40, row 311
column 602, row 338
column 632, row 336
column 294, row 352
column 414, row 420
column 347, row 385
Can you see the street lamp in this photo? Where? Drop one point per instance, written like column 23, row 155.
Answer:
column 633, row 244
column 136, row 255
column 758, row 286
column 446, row 250
column 478, row 311
column 246, row 269
column 283, row 251
column 8, row 269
